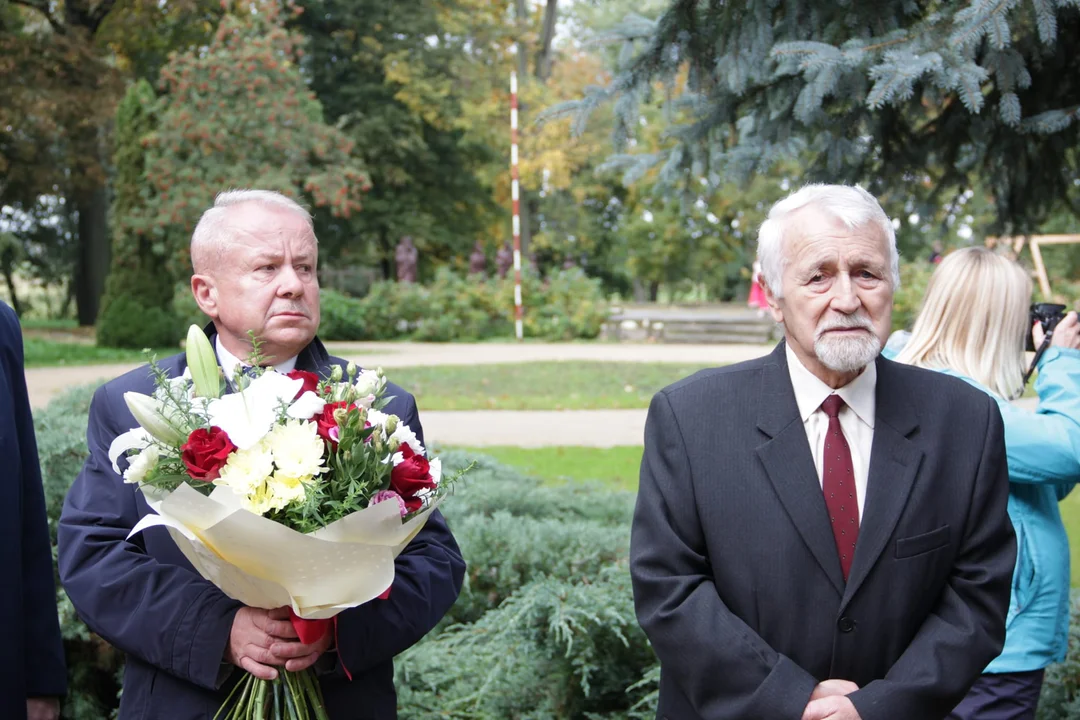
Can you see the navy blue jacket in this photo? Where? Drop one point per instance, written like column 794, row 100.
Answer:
column 32, row 663
column 145, row 598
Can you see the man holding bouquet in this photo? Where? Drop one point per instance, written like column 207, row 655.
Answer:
column 254, row 256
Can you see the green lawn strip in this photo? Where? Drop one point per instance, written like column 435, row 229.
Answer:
column 615, row 467
column 618, row 468
column 538, row 385
column 49, row 353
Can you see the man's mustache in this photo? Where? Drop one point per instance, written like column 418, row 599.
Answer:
column 846, row 322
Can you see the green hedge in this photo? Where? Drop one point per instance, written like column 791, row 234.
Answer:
column 566, row 306
column 914, row 277
column 544, row 627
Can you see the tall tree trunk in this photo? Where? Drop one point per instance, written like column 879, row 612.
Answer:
column 92, row 266
column 654, row 291
column 544, row 54
column 9, row 278
column 386, row 252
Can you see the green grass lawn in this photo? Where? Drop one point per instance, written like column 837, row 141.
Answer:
column 539, row 385
column 50, row 353
column 618, row 468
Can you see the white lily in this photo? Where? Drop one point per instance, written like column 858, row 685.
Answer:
column 202, row 361
column 148, row 413
column 306, row 406
column 248, row 415
column 134, row 439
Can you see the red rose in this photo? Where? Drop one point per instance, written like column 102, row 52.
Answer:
column 205, row 453
column 311, row 381
column 326, row 422
column 410, row 476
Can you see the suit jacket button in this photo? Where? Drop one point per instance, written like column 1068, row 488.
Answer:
column 846, row 624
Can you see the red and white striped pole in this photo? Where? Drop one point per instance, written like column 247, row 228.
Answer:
column 515, row 195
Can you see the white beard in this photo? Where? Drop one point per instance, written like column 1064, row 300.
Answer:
column 847, row 354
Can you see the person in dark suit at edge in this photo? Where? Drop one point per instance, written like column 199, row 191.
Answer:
column 32, row 672
column 822, row 533
column 254, row 255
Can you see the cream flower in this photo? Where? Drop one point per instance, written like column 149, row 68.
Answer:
column 259, row 501
column 297, row 449
column 285, row 490
column 141, row 464
column 247, row 470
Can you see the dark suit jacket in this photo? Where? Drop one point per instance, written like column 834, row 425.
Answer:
column 145, row 598
column 32, row 661
column 736, row 577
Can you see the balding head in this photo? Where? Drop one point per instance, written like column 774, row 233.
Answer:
column 215, row 229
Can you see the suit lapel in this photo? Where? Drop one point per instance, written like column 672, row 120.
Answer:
column 894, row 463
column 790, row 466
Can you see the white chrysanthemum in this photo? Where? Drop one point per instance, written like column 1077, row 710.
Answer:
column 141, row 464
column 297, row 448
column 285, row 490
column 247, row 470
column 377, row 418
column 259, row 501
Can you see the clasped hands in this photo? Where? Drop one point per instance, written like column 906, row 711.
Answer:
column 829, row 701
column 263, row 640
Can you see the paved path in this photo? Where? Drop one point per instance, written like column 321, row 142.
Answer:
column 534, row 428
column 45, row 383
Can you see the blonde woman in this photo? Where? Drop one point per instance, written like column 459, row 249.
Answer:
column 973, row 325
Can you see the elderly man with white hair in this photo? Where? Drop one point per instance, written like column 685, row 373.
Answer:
column 822, row 533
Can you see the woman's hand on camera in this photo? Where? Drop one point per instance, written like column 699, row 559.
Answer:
column 1066, row 334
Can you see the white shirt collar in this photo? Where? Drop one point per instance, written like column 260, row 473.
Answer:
column 810, row 391
column 228, row 361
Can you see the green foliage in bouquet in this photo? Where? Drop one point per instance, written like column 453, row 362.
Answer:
column 545, row 626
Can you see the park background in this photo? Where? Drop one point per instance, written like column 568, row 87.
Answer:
column 654, row 136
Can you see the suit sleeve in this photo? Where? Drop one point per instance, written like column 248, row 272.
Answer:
column 967, row 628
column 723, row 668
column 46, row 675
column 428, row 575
column 163, row 614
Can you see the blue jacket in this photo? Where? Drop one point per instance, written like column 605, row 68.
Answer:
column 1043, row 449
column 32, row 663
column 144, row 597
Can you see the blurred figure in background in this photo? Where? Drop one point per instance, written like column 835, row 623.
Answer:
column 973, row 324
column 757, row 298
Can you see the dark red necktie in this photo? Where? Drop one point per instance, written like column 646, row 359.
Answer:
column 838, row 484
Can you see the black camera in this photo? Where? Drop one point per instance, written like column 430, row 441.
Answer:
column 1049, row 315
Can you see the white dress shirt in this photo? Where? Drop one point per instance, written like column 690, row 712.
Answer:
column 228, row 361
column 856, row 417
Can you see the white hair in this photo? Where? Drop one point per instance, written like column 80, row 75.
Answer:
column 212, row 231
column 849, row 204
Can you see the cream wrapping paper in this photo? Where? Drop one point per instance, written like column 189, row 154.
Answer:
column 264, row 564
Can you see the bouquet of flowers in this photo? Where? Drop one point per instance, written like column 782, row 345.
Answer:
column 294, row 490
